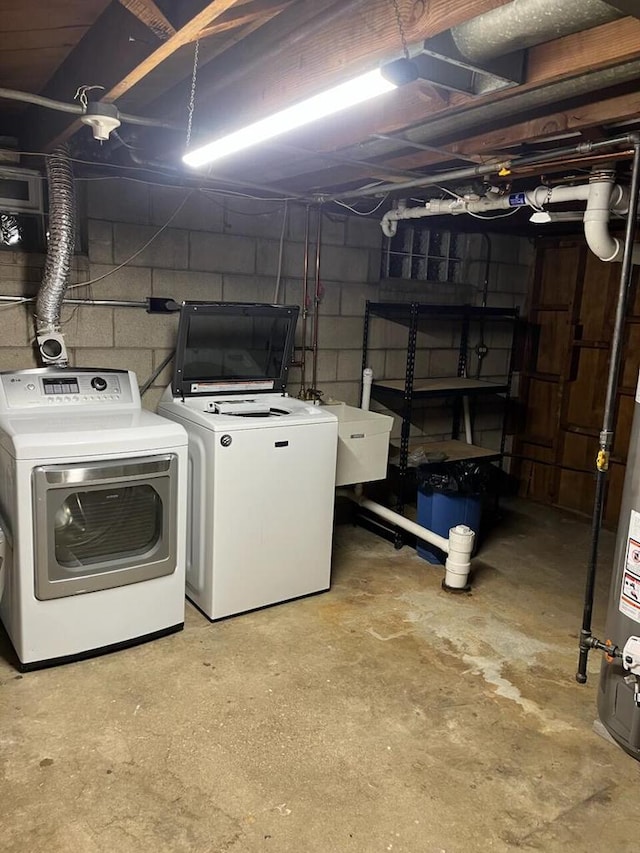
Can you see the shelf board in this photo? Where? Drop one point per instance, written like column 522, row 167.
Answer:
column 443, row 386
column 400, row 312
column 456, row 451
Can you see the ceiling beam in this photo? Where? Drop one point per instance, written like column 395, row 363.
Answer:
column 496, row 143
column 247, row 53
column 150, row 15
column 406, row 112
column 183, row 36
column 388, row 173
column 163, row 79
column 348, row 39
column 431, row 149
column 116, row 54
column 115, row 43
column 251, row 12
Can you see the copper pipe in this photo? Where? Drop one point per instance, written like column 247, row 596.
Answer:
column 540, row 161
column 316, row 303
column 560, row 165
column 305, row 307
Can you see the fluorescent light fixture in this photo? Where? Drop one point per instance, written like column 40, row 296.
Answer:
column 334, row 100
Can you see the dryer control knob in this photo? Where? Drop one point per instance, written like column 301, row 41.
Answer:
column 98, row 383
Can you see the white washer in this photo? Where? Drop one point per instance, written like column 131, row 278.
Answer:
column 261, row 464
column 92, row 497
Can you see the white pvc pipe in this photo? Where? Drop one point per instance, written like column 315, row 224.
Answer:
column 454, row 206
column 457, row 566
column 468, row 434
column 602, row 197
column 457, row 547
column 405, row 523
column 596, row 222
column 367, row 382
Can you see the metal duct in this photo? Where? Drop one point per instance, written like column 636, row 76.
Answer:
column 525, row 23
column 59, row 254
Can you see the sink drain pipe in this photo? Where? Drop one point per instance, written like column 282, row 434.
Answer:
column 457, row 547
column 587, row 640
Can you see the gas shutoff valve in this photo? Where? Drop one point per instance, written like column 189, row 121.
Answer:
column 631, row 662
column 631, row 655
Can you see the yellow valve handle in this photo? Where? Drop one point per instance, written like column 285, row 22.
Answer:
column 602, row 461
column 504, row 172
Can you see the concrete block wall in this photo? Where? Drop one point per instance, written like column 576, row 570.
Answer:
column 212, row 248
column 216, row 248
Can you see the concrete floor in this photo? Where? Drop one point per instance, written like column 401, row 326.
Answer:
column 385, row 715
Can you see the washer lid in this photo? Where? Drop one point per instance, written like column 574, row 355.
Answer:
column 233, row 347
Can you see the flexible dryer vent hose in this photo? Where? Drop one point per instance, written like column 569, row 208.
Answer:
column 62, row 216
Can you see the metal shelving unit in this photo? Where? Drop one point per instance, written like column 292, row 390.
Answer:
column 404, row 395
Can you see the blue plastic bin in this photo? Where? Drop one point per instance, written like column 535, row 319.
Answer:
column 440, row 512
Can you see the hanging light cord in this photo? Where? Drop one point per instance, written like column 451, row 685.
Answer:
column 192, row 96
column 403, row 37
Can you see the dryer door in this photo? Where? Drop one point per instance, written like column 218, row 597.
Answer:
column 103, row 525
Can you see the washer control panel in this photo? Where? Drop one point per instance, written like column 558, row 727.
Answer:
column 53, row 388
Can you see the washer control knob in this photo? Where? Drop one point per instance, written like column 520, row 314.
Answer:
column 31, row 387
column 98, row 383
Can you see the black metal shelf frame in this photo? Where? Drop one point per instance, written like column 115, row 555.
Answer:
column 402, row 399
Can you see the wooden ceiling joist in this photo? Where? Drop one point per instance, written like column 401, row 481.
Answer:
column 365, row 34
column 150, row 15
column 257, row 11
column 595, row 114
column 259, row 56
column 563, row 59
column 182, row 37
column 117, row 51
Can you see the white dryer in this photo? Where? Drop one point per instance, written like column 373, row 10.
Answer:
column 261, row 465
column 92, row 498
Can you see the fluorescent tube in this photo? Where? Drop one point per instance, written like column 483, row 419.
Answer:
column 327, row 103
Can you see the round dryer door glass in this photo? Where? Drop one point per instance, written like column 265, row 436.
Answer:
column 94, row 526
column 103, row 525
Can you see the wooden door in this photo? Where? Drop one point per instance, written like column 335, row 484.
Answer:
column 573, row 308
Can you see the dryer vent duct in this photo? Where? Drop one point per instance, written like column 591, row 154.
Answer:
column 62, row 216
column 526, row 23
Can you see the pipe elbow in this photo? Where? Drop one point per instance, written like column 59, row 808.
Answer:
column 602, row 194
column 389, row 226
column 599, row 241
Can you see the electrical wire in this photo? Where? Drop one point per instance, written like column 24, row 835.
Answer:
column 478, row 215
column 276, row 294
column 154, row 375
column 206, row 191
column 451, row 192
column 132, row 257
column 497, row 216
column 156, row 171
column 362, row 212
column 140, row 250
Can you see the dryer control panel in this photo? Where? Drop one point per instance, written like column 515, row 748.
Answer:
column 53, row 388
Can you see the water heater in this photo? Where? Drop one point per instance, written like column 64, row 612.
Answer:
column 619, row 691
